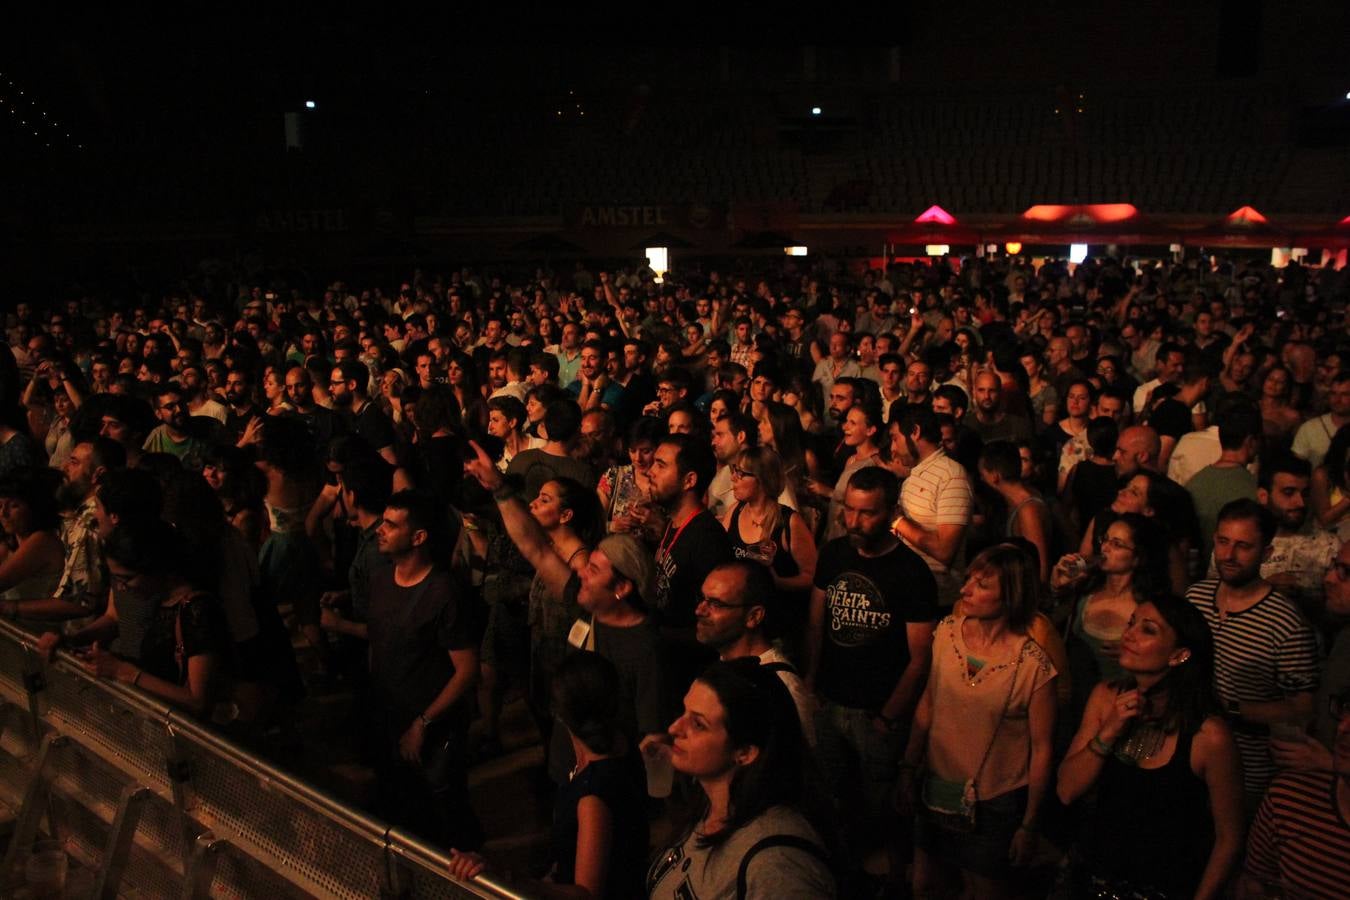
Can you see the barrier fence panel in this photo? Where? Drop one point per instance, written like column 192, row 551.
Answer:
column 157, row 805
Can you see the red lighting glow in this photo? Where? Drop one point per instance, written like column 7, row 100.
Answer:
column 1047, row 213
column 1099, row 213
column 1111, row 212
column 1246, row 216
column 936, row 215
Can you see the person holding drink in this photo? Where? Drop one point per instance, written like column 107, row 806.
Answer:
column 1104, row 592
column 625, row 491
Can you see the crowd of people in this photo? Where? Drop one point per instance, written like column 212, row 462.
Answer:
column 967, row 577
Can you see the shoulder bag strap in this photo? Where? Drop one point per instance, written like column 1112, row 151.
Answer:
column 1007, row 701
column 774, row 840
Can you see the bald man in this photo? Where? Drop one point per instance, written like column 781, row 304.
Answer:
column 1137, row 448
column 991, row 421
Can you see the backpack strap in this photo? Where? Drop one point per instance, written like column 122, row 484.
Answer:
column 776, row 667
column 775, row 840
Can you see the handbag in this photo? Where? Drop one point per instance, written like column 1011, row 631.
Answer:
column 953, row 809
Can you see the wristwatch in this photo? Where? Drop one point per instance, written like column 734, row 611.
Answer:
column 426, row 723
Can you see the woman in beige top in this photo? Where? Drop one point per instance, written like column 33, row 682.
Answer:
column 982, row 735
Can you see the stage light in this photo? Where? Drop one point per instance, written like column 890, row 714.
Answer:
column 1077, row 253
column 310, row 104
column 1013, row 247
column 937, row 249
column 815, row 110
column 658, row 258
column 795, row 251
column 935, row 215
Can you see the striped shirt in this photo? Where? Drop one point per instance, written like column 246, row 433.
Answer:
column 1299, row 843
column 1261, row 654
column 937, row 492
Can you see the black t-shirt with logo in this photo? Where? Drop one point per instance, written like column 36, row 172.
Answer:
column 684, row 558
column 868, row 601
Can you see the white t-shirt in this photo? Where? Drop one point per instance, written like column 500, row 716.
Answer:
column 937, row 492
column 1313, row 439
column 801, row 698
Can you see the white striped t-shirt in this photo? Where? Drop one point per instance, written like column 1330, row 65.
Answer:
column 1261, row 654
column 937, row 492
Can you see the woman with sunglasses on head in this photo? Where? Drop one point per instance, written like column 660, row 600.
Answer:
column 757, row 828
column 1168, row 818
column 772, row 534
column 982, row 735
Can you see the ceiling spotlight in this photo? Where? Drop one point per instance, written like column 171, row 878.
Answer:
column 310, row 104
column 815, row 110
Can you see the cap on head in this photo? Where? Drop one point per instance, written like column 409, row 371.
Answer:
column 631, row 559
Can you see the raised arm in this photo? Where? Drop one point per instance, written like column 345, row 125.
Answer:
column 524, row 531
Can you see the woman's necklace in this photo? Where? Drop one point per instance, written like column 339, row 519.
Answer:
column 1143, row 741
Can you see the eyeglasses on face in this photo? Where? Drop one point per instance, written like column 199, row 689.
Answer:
column 718, row 605
column 737, row 473
column 1117, row 543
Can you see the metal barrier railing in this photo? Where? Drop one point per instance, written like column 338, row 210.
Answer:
column 152, row 802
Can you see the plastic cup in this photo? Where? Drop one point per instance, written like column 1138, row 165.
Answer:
column 44, row 873
column 660, row 773
column 1084, row 565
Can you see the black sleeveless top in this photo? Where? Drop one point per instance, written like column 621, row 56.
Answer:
column 1152, row 827
column 783, row 564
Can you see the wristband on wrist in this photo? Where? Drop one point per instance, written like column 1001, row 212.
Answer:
column 426, row 723
column 504, row 491
column 136, row 679
column 1099, row 747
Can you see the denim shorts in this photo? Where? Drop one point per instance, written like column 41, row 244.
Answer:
column 983, row 851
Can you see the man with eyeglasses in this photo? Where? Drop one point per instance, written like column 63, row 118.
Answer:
column 173, row 434
column 1313, row 438
column 735, row 617
column 796, row 342
column 671, row 388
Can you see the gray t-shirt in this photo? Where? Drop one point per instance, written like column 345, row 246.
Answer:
column 689, row 872
column 643, row 706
